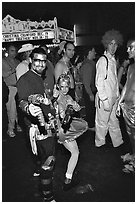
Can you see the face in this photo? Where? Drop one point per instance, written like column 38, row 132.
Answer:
column 39, row 63
column 112, row 47
column 92, row 54
column 12, row 51
column 64, row 88
column 27, row 54
column 70, row 50
column 131, row 50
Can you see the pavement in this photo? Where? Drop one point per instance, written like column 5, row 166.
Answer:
column 99, row 167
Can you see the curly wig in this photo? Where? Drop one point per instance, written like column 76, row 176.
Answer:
column 112, row 35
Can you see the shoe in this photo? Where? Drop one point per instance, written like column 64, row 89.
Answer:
column 69, row 183
column 19, row 129
column 11, row 133
column 128, row 168
column 127, row 157
column 35, row 174
column 49, row 200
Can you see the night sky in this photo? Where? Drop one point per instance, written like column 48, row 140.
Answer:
column 93, row 19
column 98, row 16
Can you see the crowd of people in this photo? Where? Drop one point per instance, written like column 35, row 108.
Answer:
column 51, row 90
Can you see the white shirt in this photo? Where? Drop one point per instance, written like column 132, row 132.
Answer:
column 22, row 68
column 107, row 88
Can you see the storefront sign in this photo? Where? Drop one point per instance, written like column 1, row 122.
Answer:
column 25, row 36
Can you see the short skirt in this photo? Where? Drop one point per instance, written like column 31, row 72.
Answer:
column 77, row 127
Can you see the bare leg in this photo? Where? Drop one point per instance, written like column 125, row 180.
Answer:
column 73, row 148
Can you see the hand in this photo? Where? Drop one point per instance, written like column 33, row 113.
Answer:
column 106, row 105
column 125, row 63
column 55, row 92
column 76, row 107
column 92, row 98
column 118, row 110
column 34, row 110
column 46, row 100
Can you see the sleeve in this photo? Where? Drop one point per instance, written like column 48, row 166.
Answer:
column 100, row 78
column 87, row 78
column 22, row 89
column 24, row 106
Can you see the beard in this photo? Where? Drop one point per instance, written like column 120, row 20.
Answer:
column 39, row 70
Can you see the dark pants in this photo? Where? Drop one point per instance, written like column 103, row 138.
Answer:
column 90, row 109
column 46, row 152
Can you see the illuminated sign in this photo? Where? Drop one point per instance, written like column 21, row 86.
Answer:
column 16, row 30
column 65, row 34
column 24, row 36
column 10, row 25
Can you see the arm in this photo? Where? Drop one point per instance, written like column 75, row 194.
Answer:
column 58, row 70
column 100, row 82
column 100, row 78
column 6, row 71
column 121, row 70
column 120, row 73
column 75, row 105
column 22, row 88
column 120, row 100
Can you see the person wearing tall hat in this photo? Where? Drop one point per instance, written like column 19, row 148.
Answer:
column 23, row 67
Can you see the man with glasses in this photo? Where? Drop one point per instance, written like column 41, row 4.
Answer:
column 33, row 101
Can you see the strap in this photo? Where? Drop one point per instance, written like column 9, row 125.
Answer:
column 106, row 66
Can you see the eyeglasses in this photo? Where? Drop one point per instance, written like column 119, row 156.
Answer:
column 39, row 60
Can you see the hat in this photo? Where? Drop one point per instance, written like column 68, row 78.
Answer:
column 26, row 47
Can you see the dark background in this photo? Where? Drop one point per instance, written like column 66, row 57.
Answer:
column 94, row 17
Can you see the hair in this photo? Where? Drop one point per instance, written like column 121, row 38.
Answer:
column 86, row 52
column 10, row 45
column 43, row 46
column 67, row 43
column 130, row 41
column 112, row 35
column 38, row 50
column 63, row 78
